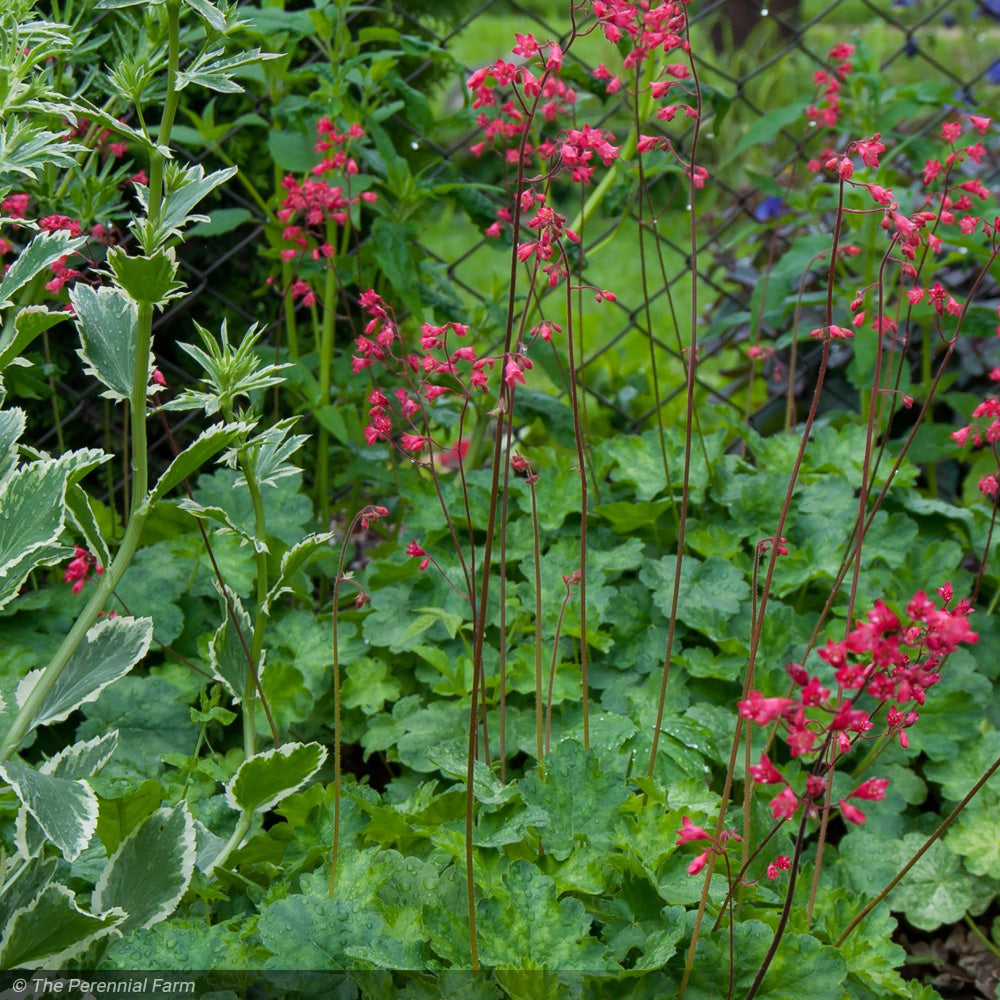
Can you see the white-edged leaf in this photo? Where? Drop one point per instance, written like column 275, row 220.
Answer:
column 83, row 759
column 26, row 685
column 26, row 149
column 185, row 189
column 265, row 779
column 31, row 523
column 29, row 323
column 80, row 510
column 108, row 322
column 150, row 870
column 116, row 4
column 65, row 809
column 81, row 462
column 229, row 526
column 29, row 837
column 208, row 444
column 51, row 930
column 209, row 13
column 110, row 650
column 226, row 653
column 24, row 883
column 146, row 279
column 208, row 846
column 213, row 70
column 34, row 258
column 271, row 450
column 98, row 116
column 293, row 562
column 11, row 429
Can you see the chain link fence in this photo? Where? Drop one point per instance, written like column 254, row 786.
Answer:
column 751, row 60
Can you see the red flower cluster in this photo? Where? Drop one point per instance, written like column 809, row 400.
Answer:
column 15, row 207
column 436, row 370
column 827, row 110
column 891, row 662
column 690, row 832
column 988, row 409
column 313, row 209
column 79, row 569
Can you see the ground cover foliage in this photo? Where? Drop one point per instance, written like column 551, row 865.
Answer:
column 463, row 634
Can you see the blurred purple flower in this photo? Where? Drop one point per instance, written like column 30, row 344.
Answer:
column 770, row 208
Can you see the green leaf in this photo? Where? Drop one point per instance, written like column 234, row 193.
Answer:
column 934, row 892
column 208, row 444
column 151, row 719
column 110, row 650
column 790, row 976
column 872, row 956
column 182, row 946
column 292, row 151
column 768, row 126
column 974, row 835
column 222, row 221
column 118, row 4
column 271, row 450
column 393, row 244
column 287, row 511
column 51, row 929
column 266, row 778
column 156, row 582
column 580, row 799
column 711, row 593
column 956, row 773
column 146, row 279
column 628, row 515
column 97, row 115
column 368, row 685
column 108, row 322
column 26, row 149
column 34, row 258
column 150, row 870
column 65, row 809
column 28, row 324
column 229, row 526
column 118, row 817
column 526, row 926
column 26, row 884
column 313, row 932
column 418, row 109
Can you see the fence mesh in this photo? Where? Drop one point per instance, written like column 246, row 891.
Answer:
column 750, row 60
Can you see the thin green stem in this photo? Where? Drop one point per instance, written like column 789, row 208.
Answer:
column 112, row 576
column 325, row 364
column 243, row 825
column 170, row 102
column 337, row 749
column 540, row 753
column 260, row 619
